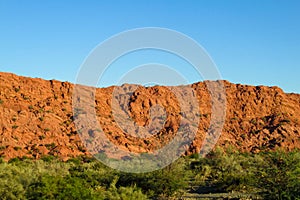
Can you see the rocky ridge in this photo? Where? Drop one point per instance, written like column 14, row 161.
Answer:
column 36, row 118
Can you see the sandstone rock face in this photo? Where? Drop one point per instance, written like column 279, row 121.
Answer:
column 37, row 118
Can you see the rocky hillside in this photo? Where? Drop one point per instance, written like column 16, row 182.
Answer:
column 36, row 118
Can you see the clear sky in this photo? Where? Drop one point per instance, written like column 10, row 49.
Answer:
column 253, row 42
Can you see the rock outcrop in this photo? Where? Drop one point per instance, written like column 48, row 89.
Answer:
column 37, row 118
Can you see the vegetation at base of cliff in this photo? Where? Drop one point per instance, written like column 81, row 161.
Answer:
column 271, row 175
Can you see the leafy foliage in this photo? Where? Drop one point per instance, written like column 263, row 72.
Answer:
column 273, row 175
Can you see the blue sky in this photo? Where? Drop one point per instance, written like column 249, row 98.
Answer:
column 253, row 42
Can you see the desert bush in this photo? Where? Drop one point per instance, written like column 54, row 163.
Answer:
column 280, row 175
column 10, row 185
column 169, row 181
column 272, row 175
column 225, row 172
column 123, row 193
column 58, row 187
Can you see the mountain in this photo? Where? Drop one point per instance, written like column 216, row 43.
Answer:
column 37, row 118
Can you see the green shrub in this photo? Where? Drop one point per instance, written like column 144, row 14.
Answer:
column 124, row 193
column 2, row 147
column 57, row 187
column 17, row 148
column 280, row 175
column 15, row 126
column 271, row 175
